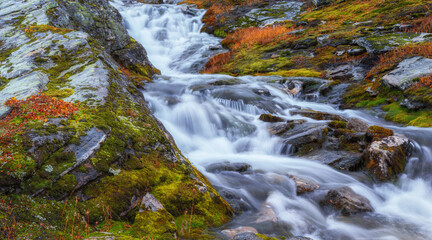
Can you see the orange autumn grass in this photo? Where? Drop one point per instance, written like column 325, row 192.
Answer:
column 246, row 38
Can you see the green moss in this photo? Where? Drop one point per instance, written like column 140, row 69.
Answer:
column 155, row 225
column 377, row 133
column 371, row 103
column 60, row 93
column 337, row 124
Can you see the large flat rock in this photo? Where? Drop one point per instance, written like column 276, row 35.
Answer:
column 408, row 70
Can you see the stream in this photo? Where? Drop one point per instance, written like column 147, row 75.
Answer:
column 214, row 123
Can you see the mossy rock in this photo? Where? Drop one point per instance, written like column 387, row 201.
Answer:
column 154, row 225
column 376, row 133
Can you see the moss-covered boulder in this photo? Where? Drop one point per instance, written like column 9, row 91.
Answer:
column 387, row 157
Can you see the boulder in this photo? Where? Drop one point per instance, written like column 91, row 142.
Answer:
column 376, row 133
column 304, row 185
column 347, row 201
column 387, row 157
column 266, row 215
column 294, row 88
column 239, row 230
column 408, row 70
column 357, row 125
column 412, row 105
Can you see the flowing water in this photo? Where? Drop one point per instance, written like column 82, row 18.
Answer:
column 214, row 123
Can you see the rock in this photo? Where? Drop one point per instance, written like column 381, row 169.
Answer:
column 270, row 118
column 280, row 128
column 347, row 201
column 246, row 236
column 320, row 3
column 89, row 144
column 294, row 88
column 305, row 138
column 317, row 115
column 236, row 231
column 235, row 199
column 304, row 185
column 227, row 166
column 266, row 215
column 305, row 43
column 341, row 160
column 357, row 125
column 408, row 70
column 412, row 105
column 356, row 51
column 376, row 133
column 150, row 203
column 387, row 157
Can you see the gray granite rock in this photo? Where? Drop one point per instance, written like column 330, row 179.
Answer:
column 408, row 70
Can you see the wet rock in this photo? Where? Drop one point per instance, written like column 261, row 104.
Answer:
column 376, row 133
column 342, row 160
column 246, row 236
column 387, row 157
column 150, row 203
column 294, row 88
column 227, row 166
column 236, row 231
column 280, row 128
column 347, row 201
column 235, row 200
column 266, row 215
column 270, row 118
column 357, row 125
column 317, row 115
column 412, row 105
column 408, row 70
column 304, row 185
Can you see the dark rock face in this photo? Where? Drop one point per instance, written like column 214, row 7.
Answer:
column 387, row 157
column 347, row 201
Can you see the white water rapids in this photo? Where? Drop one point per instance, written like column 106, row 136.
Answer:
column 216, row 123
